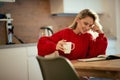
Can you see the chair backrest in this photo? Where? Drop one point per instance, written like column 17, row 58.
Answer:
column 57, row 68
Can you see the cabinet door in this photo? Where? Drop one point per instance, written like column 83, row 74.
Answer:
column 13, row 64
column 78, row 5
column 33, row 66
column 75, row 6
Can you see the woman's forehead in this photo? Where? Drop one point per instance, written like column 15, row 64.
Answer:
column 88, row 19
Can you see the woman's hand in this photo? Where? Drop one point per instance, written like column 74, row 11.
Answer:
column 97, row 28
column 60, row 44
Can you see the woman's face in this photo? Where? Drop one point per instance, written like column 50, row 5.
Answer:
column 84, row 25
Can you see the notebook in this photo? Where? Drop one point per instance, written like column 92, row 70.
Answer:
column 100, row 58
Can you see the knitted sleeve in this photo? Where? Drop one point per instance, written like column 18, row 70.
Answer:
column 47, row 45
column 97, row 46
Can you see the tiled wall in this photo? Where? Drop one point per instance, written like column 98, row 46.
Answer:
column 3, row 37
column 29, row 16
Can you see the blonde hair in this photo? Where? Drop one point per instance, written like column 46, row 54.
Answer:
column 85, row 13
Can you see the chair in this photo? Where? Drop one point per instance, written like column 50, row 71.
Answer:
column 58, row 68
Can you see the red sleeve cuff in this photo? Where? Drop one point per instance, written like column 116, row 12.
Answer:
column 101, row 35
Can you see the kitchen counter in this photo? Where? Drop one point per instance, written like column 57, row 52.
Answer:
column 20, row 59
column 17, row 45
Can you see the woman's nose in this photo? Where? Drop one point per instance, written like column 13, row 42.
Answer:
column 87, row 28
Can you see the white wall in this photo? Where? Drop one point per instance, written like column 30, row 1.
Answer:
column 108, row 19
column 114, row 44
column 111, row 26
column 118, row 25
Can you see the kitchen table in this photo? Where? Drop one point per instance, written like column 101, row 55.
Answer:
column 101, row 69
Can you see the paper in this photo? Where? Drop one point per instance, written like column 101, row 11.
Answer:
column 92, row 59
column 100, row 57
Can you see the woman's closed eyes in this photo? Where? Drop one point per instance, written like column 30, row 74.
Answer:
column 87, row 24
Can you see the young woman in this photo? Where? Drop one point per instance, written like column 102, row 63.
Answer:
column 86, row 46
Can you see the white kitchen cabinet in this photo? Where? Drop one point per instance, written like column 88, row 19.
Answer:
column 19, row 63
column 33, row 66
column 13, row 64
column 75, row 6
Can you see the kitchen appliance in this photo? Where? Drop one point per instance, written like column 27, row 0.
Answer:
column 46, row 31
column 10, row 32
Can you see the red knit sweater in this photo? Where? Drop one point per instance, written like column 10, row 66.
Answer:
column 85, row 46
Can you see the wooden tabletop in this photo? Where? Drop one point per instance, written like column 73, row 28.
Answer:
column 103, row 69
column 111, row 65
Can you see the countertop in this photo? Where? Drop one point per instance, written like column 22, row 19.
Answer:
column 17, row 45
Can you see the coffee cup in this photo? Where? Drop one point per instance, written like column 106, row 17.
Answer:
column 68, row 47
